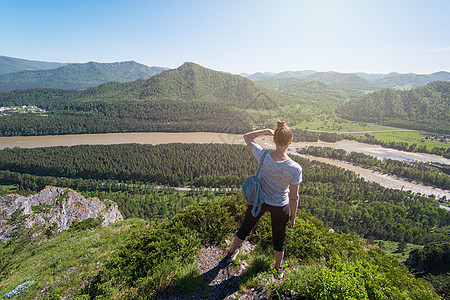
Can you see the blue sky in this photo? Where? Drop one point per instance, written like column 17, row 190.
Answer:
column 236, row 36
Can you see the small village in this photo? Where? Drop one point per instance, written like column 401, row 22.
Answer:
column 437, row 137
column 24, row 109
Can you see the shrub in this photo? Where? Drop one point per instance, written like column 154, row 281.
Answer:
column 86, row 224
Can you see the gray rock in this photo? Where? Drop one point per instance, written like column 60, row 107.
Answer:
column 55, row 205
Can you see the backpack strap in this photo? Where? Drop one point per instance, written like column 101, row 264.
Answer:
column 261, row 163
column 257, row 203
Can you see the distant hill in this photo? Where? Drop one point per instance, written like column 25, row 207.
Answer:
column 359, row 80
column 258, row 75
column 410, row 80
column 313, row 90
column 370, row 76
column 425, row 108
column 77, row 76
column 194, row 82
column 344, row 80
column 286, row 74
column 189, row 98
column 12, row 65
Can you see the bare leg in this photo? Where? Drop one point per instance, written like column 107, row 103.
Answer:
column 278, row 258
column 236, row 243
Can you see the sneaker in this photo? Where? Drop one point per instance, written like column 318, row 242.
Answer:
column 230, row 257
column 280, row 271
column 233, row 255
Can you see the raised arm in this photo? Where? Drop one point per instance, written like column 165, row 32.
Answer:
column 250, row 136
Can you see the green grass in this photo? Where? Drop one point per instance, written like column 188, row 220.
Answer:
column 334, row 124
column 65, row 261
column 329, row 123
column 7, row 189
column 410, row 137
column 390, row 248
column 188, row 280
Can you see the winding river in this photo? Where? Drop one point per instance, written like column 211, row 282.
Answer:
column 208, row 137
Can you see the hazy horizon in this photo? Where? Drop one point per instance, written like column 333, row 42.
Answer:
column 242, row 73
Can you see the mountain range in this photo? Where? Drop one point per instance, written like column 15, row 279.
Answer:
column 77, row 76
column 194, row 98
column 16, row 73
column 358, row 81
column 407, row 81
column 287, row 74
column 12, row 65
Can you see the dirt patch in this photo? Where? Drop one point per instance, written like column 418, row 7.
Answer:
column 221, row 278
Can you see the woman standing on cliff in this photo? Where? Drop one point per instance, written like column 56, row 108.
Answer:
column 280, row 178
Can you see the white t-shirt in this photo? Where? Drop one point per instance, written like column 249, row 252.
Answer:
column 275, row 177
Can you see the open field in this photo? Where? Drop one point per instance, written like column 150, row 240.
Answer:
column 334, row 124
column 410, row 137
column 327, row 123
column 7, row 189
column 391, row 248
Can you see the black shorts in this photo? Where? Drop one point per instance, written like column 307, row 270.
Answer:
column 279, row 216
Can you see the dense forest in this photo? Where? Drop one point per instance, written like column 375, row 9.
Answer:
column 434, row 175
column 339, row 197
column 425, row 108
column 163, row 116
column 211, row 165
column 431, row 263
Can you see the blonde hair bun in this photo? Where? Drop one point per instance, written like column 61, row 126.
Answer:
column 283, row 134
column 281, row 124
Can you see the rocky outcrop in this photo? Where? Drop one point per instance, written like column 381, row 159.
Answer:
column 57, row 207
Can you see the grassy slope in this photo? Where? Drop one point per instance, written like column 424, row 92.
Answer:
column 132, row 258
column 410, row 138
column 391, row 248
column 64, row 262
